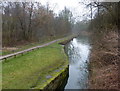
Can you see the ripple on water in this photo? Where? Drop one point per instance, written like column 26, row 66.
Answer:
column 78, row 53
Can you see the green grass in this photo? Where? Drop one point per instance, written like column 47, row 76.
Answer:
column 23, row 47
column 31, row 69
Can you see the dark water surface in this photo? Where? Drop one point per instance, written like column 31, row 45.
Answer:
column 78, row 51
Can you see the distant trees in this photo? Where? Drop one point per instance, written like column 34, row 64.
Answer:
column 80, row 26
column 106, row 15
column 28, row 21
column 104, row 19
column 65, row 18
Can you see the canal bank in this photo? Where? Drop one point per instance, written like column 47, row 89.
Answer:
column 57, row 75
column 104, row 60
column 34, row 70
column 59, row 80
column 76, row 75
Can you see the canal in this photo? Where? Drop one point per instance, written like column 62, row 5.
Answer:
column 78, row 51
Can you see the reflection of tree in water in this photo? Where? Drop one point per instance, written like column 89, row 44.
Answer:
column 78, row 54
column 74, row 54
column 76, row 59
column 82, row 81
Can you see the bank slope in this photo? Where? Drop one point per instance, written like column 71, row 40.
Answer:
column 104, row 63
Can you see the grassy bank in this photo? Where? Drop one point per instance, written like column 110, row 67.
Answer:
column 33, row 68
column 104, row 62
column 23, row 46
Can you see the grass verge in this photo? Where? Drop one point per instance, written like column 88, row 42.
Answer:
column 34, row 68
column 23, row 47
column 9, row 50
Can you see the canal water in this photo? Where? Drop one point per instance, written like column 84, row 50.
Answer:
column 78, row 52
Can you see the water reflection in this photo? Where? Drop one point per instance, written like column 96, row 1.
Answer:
column 78, row 52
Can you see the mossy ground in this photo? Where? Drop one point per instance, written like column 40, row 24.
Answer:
column 30, row 70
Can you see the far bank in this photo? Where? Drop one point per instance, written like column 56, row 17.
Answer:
column 104, row 62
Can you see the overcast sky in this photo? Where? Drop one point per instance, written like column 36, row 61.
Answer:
column 77, row 8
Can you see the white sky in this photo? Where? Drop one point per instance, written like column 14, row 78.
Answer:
column 77, row 9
